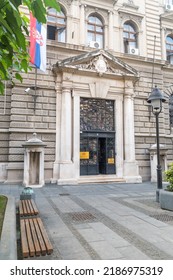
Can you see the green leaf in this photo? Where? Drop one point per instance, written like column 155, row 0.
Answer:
column 24, row 64
column 1, row 87
column 18, row 77
column 39, row 11
column 52, row 4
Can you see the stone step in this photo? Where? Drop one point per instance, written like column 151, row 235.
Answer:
column 100, row 179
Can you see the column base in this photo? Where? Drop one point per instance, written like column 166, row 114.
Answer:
column 64, row 173
column 131, row 172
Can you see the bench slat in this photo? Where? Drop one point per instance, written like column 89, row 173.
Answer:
column 29, row 238
column 20, row 208
column 27, row 206
column 40, row 238
column 35, row 238
column 24, row 208
column 24, row 241
column 34, row 207
column 31, row 210
column 45, row 237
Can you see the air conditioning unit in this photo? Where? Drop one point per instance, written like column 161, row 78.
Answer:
column 94, row 44
column 169, row 7
column 134, row 51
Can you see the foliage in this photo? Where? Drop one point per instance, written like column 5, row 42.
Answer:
column 13, row 31
column 169, row 177
column 3, row 202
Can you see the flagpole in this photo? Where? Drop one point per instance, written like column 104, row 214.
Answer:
column 35, row 96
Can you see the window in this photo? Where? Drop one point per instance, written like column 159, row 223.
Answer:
column 129, row 36
column 95, row 31
column 169, row 48
column 168, row 2
column 56, row 25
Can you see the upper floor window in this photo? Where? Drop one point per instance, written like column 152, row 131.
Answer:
column 56, row 25
column 129, row 36
column 95, row 32
column 168, row 2
column 169, row 48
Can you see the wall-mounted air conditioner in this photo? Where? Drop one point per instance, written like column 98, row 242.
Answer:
column 94, row 44
column 134, row 51
column 169, row 7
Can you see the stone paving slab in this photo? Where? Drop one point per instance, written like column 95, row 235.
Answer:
column 115, row 221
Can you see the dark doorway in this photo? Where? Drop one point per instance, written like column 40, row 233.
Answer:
column 102, row 155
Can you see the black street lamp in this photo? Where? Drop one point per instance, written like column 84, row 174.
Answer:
column 156, row 98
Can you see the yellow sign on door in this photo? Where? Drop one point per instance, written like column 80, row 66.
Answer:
column 84, row 155
column 111, row 160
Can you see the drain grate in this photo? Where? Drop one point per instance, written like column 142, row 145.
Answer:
column 81, row 216
column 64, row 194
column 163, row 217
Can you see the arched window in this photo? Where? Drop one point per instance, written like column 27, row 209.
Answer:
column 56, row 25
column 129, row 37
column 95, row 32
column 169, row 48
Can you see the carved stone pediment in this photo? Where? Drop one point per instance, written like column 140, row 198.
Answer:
column 99, row 61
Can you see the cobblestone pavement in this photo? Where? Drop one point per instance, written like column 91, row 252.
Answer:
column 103, row 221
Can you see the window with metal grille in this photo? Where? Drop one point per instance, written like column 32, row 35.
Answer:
column 96, row 115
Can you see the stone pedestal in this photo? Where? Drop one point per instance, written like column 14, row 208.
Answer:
column 153, row 161
column 34, row 162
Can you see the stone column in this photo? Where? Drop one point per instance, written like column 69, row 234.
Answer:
column 76, row 135
column 105, row 37
column 131, row 172
column 82, row 25
column 58, row 135
column 110, row 32
column 119, row 136
column 163, row 43
column 66, row 137
column 129, row 142
column 66, row 164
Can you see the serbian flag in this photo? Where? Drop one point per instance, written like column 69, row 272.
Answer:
column 38, row 35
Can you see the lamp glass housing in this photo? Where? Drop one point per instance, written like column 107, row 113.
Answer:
column 156, row 105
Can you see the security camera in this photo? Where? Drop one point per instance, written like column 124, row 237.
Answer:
column 27, row 89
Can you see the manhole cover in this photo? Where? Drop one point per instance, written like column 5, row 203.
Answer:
column 81, row 216
column 64, row 194
column 163, row 217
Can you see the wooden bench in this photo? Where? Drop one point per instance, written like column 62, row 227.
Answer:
column 34, row 239
column 27, row 207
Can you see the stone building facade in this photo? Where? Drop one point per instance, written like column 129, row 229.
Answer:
column 90, row 108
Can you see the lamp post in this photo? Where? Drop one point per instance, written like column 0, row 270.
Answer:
column 155, row 99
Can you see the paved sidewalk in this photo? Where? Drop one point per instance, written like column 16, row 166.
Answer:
column 103, row 221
